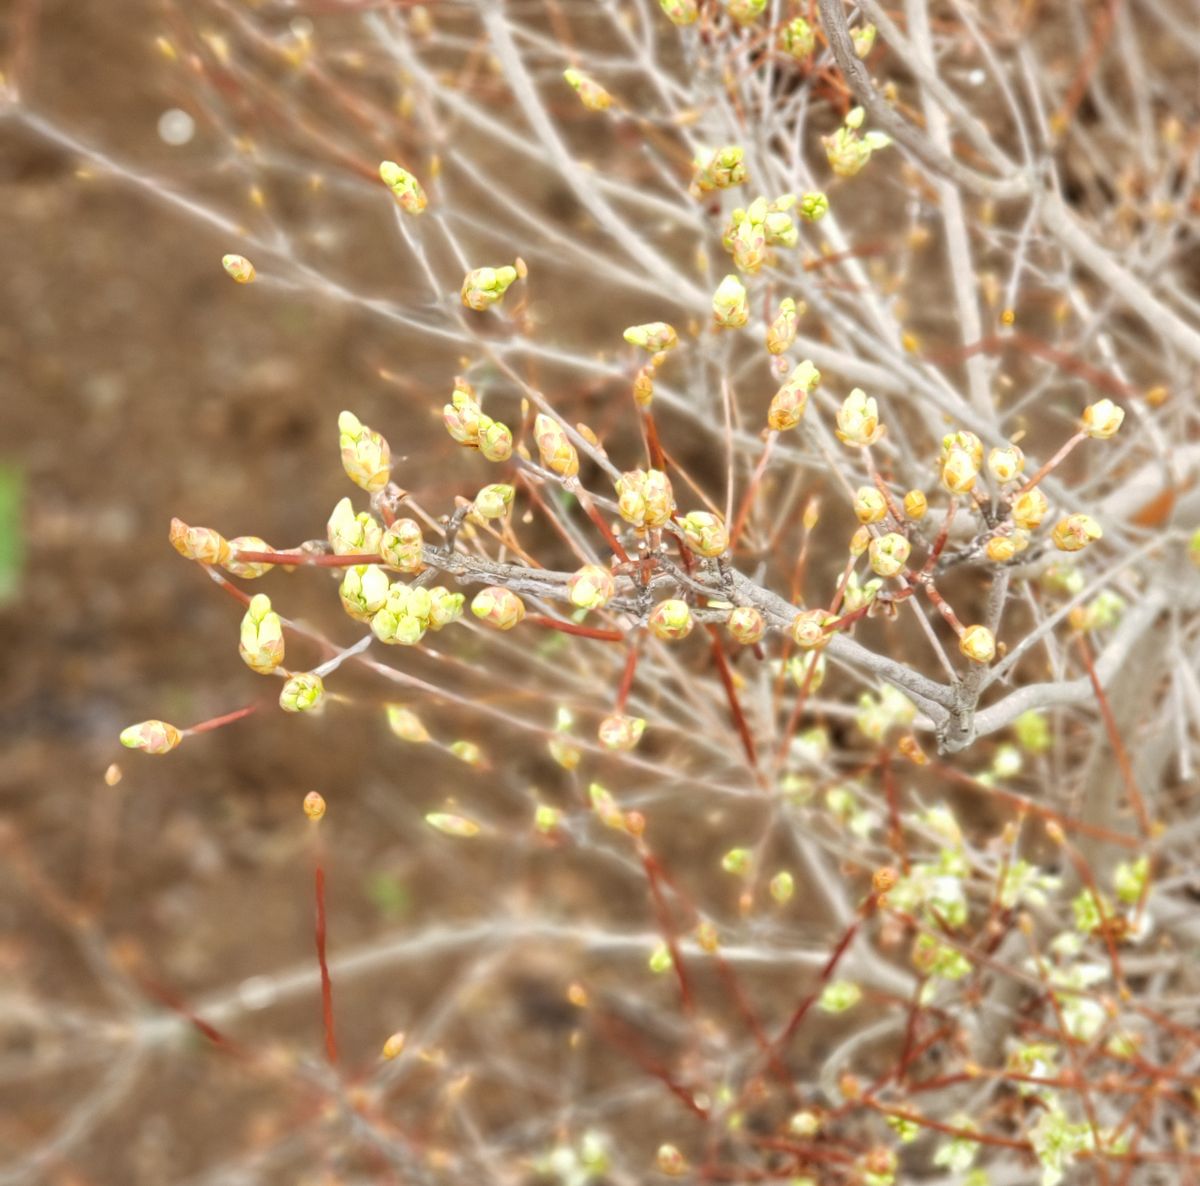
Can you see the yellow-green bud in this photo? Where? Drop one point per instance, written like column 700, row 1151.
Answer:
column 808, row 629
column 557, row 453
column 591, row 587
column 1004, row 464
column 888, row 554
column 847, row 150
column 483, row 287
column 814, row 206
column 1029, row 509
column 462, row 415
column 620, row 732
column 444, row 607
column 680, row 12
column 705, row 533
column 400, row 546
column 406, row 725
column 304, row 692
column 789, row 403
column 247, row 569
column 718, row 168
column 498, row 607
column 864, row 40
column 450, row 824
column 858, row 420
column 959, row 471
column 730, row 304
column 492, row 502
column 1102, row 419
column 591, row 94
column 782, row 887
column 1075, row 532
column 781, row 333
column 746, row 625
column 363, row 591
column 915, row 504
column 797, row 39
column 405, row 186
column 654, row 336
column 645, row 498
column 669, row 1160
column 238, row 268
column 366, row 457
column 495, row 439
column 978, row 644
column 151, row 737
column 869, row 505
column 748, row 243
column 964, row 440
column 745, row 11
column 353, row 535
column 671, row 620
column 261, row 642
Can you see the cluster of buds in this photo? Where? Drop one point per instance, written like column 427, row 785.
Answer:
column 558, row 455
column 761, row 225
column 797, row 39
column 788, row 404
column 731, row 304
column 848, row 149
column 199, row 543
column 238, row 268
column 718, row 168
column 408, row 611
column 353, row 534
column 657, row 337
column 1075, row 532
column 858, row 420
column 856, row 596
column 781, row 333
column 960, row 462
column 303, row 692
column 484, row 287
column 644, row 498
column 705, row 533
column 466, row 423
column 498, row 607
column 671, row 620
column 591, row 94
column 401, row 546
column 366, row 457
column 261, row 642
column 591, row 587
column 406, row 188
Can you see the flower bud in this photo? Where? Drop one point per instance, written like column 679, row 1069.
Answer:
column 1102, row 419
column 645, row 498
column 643, row 386
column 405, row 186
column 748, row 243
column 152, row 737
column 400, row 546
column 814, row 206
column 591, row 587
column 654, row 336
column 888, row 554
column 790, row 401
column 847, row 150
column 498, row 607
column 591, row 94
column 671, row 620
column 869, row 505
column 860, row 541
column 239, row 268
column 351, row 534
column 247, row 569
column 492, row 502
column 314, row 806
column 484, row 287
column 808, row 629
column 621, row 733
column 705, row 533
column 718, row 168
column 680, row 12
column 1075, row 532
column 304, row 692
column 1005, row 464
column 557, row 453
column 495, row 439
column 462, row 415
column 855, row 596
column 393, row 1047
column 967, row 441
column 444, row 607
column 781, row 333
column 978, row 644
column 915, row 504
column 363, row 591
column 746, row 625
column 743, row 12
column 858, row 420
column 406, row 725
column 366, row 457
column 730, row 304
column 201, row 544
column 261, row 641
column 1029, row 509
column 397, row 629
column 959, row 471
column 864, row 40
column 668, row 1160
column 797, row 39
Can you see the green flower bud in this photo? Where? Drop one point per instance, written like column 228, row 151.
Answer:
column 620, row 732
column 591, row 587
column 152, row 737
column 261, row 641
column 492, row 502
column 405, row 186
column 746, row 625
column 557, row 453
column 797, row 39
column 730, row 304
column 888, row 554
column 201, row 544
column 366, row 457
column 484, row 287
column 363, row 591
column 498, row 607
column 705, row 533
column 352, row 535
column 247, row 570
column 304, row 692
column 591, row 94
column 781, row 333
column 400, row 546
column 671, row 620
column 238, row 268
column 444, row 607
column 654, row 336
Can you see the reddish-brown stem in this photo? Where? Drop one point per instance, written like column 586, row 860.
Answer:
column 326, row 982
column 626, row 684
column 735, row 705
column 752, row 489
column 576, row 628
column 228, row 719
column 1054, row 461
column 665, row 925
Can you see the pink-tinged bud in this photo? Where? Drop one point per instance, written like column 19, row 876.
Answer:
column 978, row 644
column 246, row 569
column 1102, row 419
column 400, row 546
column 201, row 544
column 406, row 188
column 671, row 620
column 654, row 336
column 484, row 287
column 314, row 806
column 748, row 243
column 591, row 587
column 444, row 607
column 858, row 420
column 261, row 640
column 462, row 415
column 781, row 333
column 959, row 471
column 238, row 268
column 366, row 457
column 591, row 94
column 353, row 535
column 151, row 737
column 645, row 498
column 869, row 505
column 620, row 732
column 492, row 502
column 1005, row 464
column 557, row 453
column 304, row 692
column 680, row 12
column 746, row 625
column 789, row 403
column 915, row 504
column 495, row 439
column 1075, row 532
column 498, row 607
column 363, row 591
column 730, row 304
column 705, row 533
column 670, row 1161
column 888, row 554
column 808, row 629
column 1029, row 509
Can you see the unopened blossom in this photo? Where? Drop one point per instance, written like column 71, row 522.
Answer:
column 797, row 38
column 304, row 692
column 864, row 40
column 670, row 1161
column 492, row 502
column 498, row 607
column 680, row 12
column 848, row 150
column 745, row 11
column 730, row 304
column 645, row 498
column 350, row 534
column 809, row 629
column 247, row 569
column 591, row 587
column 1075, row 532
column 366, row 457
column 238, row 268
column 314, row 806
column 671, row 620
column 484, row 287
column 591, row 94
column 260, row 642
column 1029, row 509
column 858, row 420
column 856, row 595
column 201, row 544
column 746, row 625
column 1102, row 419
column 363, row 591
column 978, row 644
column 789, row 403
column 495, row 439
column 404, row 186
column 654, row 336
column 959, row 471
column 462, row 415
column 400, row 546
column 860, row 541
column 705, row 533
column 557, row 453
column 915, row 504
column 619, row 732
column 444, row 607
column 888, row 554
column 748, row 245
column 964, row 440
column 781, row 333
column 718, row 168
column 814, row 206
column 1006, row 463
column 151, row 737
column 869, row 505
